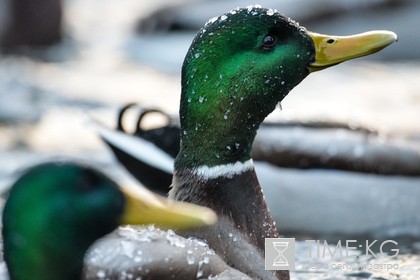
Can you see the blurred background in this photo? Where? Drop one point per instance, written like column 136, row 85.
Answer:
column 65, row 62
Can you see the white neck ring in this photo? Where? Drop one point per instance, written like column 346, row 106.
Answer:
column 224, row 170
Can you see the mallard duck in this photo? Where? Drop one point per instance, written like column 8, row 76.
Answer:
column 55, row 211
column 239, row 66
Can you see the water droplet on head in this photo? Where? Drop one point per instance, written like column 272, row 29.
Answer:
column 201, row 99
column 197, row 55
column 213, row 19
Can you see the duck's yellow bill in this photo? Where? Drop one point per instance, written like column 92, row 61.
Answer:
column 144, row 207
column 331, row 50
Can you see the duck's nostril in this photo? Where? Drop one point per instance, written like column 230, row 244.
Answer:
column 330, row 41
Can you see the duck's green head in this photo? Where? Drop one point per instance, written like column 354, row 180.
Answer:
column 239, row 66
column 55, row 211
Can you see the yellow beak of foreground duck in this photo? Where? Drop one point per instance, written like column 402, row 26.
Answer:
column 331, row 50
column 144, row 207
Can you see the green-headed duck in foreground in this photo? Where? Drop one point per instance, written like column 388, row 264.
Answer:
column 238, row 68
column 55, row 211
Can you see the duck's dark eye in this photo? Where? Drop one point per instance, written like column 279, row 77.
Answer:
column 269, row 41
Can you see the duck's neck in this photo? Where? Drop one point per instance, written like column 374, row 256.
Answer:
column 244, row 221
column 233, row 191
column 214, row 140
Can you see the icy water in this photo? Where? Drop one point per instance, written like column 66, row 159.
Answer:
column 46, row 104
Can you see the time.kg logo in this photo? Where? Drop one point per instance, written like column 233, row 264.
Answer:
column 279, row 253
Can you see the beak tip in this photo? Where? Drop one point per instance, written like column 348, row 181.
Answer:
column 395, row 37
column 392, row 36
